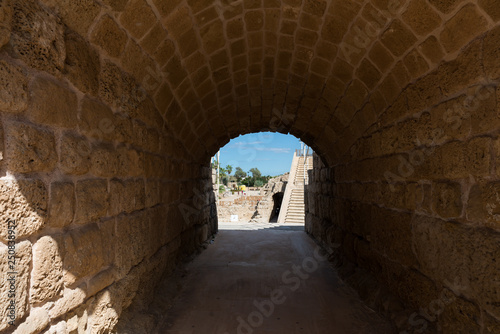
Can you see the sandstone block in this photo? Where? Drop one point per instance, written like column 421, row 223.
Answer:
column 415, row 64
column 492, row 54
column 164, row 52
column 58, row 328
column 380, row 57
column 84, row 253
column 460, row 257
column 102, row 317
column 24, row 201
column 161, row 232
column 126, row 196
column 421, row 17
column 72, row 298
column 415, row 289
column 254, row 20
column 109, row 36
column 463, row 72
column 480, row 104
column 449, row 120
column 138, row 18
column 460, row 161
column 131, row 230
column 484, row 204
column 368, row 74
column 13, row 88
column 147, row 139
column 116, row 5
column 29, row 149
column 460, row 316
column 100, row 281
column 154, row 165
column 445, row 6
column 75, row 154
column 447, row 199
column 178, row 21
column 2, row 147
column 152, row 193
column 6, row 20
column 336, row 25
column 97, row 121
column 491, row 325
column 47, row 273
column 131, row 162
column 397, row 38
column 210, row 35
column 82, row 63
column 35, row 323
column 306, row 38
column 92, row 200
column 62, row 204
column 22, row 267
column 392, row 235
column 104, row 160
column 235, row 28
column 453, row 36
column 490, row 7
column 431, row 48
column 138, row 64
column 37, row 37
column 77, row 15
column 52, row 104
column 150, row 42
column 147, row 112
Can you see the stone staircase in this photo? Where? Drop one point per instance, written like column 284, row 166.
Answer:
column 295, row 212
column 293, row 202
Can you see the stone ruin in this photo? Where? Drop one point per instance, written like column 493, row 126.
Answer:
column 264, row 210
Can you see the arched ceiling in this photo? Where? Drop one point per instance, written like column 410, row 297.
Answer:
column 321, row 70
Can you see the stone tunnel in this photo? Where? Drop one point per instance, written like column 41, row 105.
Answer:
column 111, row 109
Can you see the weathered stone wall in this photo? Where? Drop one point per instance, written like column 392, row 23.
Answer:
column 110, row 111
column 243, row 206
column 265, row 206
column 104, row 196
column 415, row 200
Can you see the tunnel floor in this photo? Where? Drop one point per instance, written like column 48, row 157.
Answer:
column 245, row 283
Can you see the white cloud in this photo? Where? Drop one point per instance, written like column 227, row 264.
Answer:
column 273, row 149
column 246, row 144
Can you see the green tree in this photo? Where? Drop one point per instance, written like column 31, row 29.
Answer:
column 258, row 183
column 229, row 169
column 240, row 174
column 255, row 173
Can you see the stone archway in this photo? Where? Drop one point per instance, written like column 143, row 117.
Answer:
column 110, row 111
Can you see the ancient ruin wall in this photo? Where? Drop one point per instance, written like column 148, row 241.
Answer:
column 103, row 195
column 265, row 206
column 179, row 79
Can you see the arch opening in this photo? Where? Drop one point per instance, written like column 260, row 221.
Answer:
column 111, row 110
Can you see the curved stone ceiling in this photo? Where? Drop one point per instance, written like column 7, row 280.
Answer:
column 324, row 71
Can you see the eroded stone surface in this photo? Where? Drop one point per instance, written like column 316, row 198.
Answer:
column 86, row 252
column 37, row 36
column 14, row 88
column 47, row 274
column 52, row 104
column 92, row 200
column 141, row 93
column 26, row 202
column 21, row 279
column 29, row 149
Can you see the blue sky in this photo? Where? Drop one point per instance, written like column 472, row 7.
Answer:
column 270, row 152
